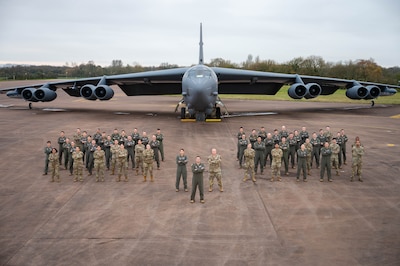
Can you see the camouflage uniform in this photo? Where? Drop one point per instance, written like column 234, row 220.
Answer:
column 122, row 164
column 99, row 162
column 54, row 166
column 139, row 148
column 276, row 163
column 309, row 149
column 78, row 165
column 249, row 155
column 335, row 157
column 148, row 159
column 242, row 146
column 114, row 157
column 357, row 154
column 215, row 171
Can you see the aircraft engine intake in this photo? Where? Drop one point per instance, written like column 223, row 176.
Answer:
column 297, row 91
column 313, row 90
column 357, row 92
column 45, row 95
column 29, row 94
column 373, row 92
column 104, row 92
column 87, row 92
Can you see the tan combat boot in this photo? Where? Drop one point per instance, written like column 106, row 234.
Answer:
column 144, row 178
column 253, row 178
column 151, row 179
column 118, row 179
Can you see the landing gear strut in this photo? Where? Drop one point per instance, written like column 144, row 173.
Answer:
column 30, row 106
column 372, row 103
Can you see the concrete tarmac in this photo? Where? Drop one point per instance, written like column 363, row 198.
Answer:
column 144, row 223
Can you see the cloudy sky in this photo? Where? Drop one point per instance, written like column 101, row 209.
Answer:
column 155, row 31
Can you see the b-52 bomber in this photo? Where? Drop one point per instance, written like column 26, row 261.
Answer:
column 200, row 86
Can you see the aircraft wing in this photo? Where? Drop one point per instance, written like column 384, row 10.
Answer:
column 157, row 82
column 238, row 81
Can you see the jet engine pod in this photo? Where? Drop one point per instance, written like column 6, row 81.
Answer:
column 373, row 92
column 357, row 92
column 87, row 92
column 45, row 95
column 313, row 90
column 297, row 91
column 103, row 92
column 29, row 94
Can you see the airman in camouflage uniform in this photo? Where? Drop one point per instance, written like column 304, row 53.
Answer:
column 148, row 159
column 357, row 152
column 114, row 155
column 99, row 163
column 139, row 148
column 276, row 162
column 54, row 165
column 122, row 162
column 77, row 157
column 335, row 155
column 309, row 149
column 77, row 138
column 249, row 155
column 214, row 162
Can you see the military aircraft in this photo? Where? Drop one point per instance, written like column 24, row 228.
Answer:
column 200, row 86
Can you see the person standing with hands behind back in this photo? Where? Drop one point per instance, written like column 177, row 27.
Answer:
column 197, row 180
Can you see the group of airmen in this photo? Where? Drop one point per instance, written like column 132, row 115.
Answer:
column 99, row 151
column 114, row 152
column 326, row 149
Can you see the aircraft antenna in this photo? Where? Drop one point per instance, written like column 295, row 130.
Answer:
column 201, row 56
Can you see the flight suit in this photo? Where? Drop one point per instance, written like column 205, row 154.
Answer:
column 160, row 139
column 66, row 147
column 325, row 163
column 107, row 150
column 269, row 144
column 61, row 141
column 155, row 145
column 47, row 151
column 316, row 144
column 130, row 147
column 242, row 146
column 197, row 180
column 259, row 158
column 302, row 163
column 309, row 149
column 181, row 171
column 285, row 158
column 292, row 150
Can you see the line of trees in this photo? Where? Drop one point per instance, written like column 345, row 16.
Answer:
column 363, row 70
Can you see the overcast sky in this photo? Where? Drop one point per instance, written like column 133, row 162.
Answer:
column 154, row 31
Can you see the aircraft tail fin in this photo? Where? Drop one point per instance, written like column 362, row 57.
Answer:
column 201, row 56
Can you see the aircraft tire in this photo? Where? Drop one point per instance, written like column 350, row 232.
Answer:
column 183, row 113
column 218, row 112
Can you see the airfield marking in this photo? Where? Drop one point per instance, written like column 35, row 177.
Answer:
column 396, row 116
column 391, row 145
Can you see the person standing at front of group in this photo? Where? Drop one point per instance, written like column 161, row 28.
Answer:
column 197, row 180
column 181, row 171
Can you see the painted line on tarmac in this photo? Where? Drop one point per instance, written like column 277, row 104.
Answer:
column 396, row 116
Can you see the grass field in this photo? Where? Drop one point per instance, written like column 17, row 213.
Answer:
column 338, row 96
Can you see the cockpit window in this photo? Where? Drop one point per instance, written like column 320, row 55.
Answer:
column 200, row 73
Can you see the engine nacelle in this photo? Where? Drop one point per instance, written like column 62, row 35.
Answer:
column 45, row 95
column 357, row 92
column 297, row 91
column 29, row 95
column 313, row 90
column 103, row 92
column 87, row 92
column 373, row 92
